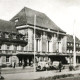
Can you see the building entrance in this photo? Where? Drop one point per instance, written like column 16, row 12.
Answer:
column 24, row 59
column 58, row 58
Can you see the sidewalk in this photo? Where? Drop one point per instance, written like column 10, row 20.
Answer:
column 11, row 70
column 35, row 75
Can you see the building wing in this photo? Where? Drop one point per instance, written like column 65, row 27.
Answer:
column 71, row 39
column 7, row 26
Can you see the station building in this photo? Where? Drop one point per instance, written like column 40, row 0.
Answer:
column 50, row 40
column 18, row 43
column 10, row 42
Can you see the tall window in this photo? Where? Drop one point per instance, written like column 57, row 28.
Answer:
column 15, row 48
column 48, row 45
column 37, row 45
column 60, row 46
column 18, row 47
column 49, row 42
column 68, row 44
column 7, row 58
column 22, row 48
column 0, row 34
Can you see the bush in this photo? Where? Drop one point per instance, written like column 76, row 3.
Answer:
column 56, row 77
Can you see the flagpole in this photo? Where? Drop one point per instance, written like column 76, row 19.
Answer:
column 74, row 53
column 34, row 40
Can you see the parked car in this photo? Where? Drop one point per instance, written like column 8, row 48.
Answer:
column 42, row 66
column 55, row 65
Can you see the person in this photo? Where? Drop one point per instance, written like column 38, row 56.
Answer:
column 20, row 63
column 23, row 65
column 47, row 66
column 14, row 65
column 60, row 66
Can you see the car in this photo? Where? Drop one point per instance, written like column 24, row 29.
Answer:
column 42, row 66
column 55, row 65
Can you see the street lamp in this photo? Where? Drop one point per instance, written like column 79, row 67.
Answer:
column 74, row 53
column 34, row 40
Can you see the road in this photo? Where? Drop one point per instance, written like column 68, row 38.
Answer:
column 73, row 78
column 25, row 74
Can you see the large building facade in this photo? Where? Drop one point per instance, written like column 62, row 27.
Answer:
column 31, row 32
column 50, row 40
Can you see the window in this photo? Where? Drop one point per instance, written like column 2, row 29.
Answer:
column 71, row 44
column 48, row 45
column 67, row 51
column 55, row 35
column 8, row 47
column 18, row 47
column 14, row 36
column 15, row 48
column 59, row 46
column 77, row 45
column 16, row 20
column 0, row 34
column 37, row 45
column 6, row 35
column 0, row 46
column 7, row 58
column 70, row 51
column 68, row 44
column 22, row 48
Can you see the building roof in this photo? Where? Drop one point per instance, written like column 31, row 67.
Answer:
column 26, row 16
column 7, row 26
column 71, row 39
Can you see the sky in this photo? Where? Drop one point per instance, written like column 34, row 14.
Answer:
column 64, row 13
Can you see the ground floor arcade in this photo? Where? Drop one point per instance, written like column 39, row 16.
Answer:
column 28, row 59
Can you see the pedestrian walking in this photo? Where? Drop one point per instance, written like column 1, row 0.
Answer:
column 23, row 65
column 60, row 66
column 47, row 66
column 14, row 64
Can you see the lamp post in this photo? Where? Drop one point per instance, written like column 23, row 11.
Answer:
column 34, row 41
column 74, row 52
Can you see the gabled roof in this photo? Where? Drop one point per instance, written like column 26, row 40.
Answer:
column 71, row 39
column 26, row 16
column 7, row 26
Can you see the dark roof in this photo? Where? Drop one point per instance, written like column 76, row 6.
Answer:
column 26, row 16
column 7, row 26
column 71, row 39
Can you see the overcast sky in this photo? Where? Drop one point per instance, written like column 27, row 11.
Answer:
column 65, row 13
